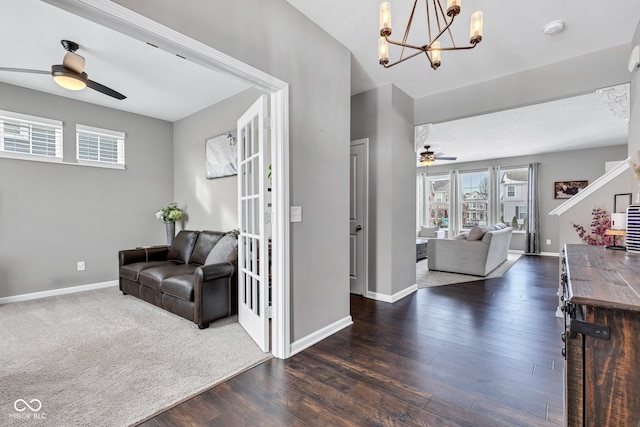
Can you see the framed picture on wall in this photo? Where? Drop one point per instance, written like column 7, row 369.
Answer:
column 221, row 155
column 568, row 189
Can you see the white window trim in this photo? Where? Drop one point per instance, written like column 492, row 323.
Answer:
column 57, row 124
column 120, row 136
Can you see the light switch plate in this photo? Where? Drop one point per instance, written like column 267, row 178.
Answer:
column 296, row 213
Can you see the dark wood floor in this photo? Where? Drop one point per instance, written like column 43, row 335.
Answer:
column 485, row 353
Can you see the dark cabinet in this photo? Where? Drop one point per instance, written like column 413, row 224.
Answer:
column 601, row 304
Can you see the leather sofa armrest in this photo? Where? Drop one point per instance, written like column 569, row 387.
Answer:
column 215, row 290
column 210, row 272
column 154, row 253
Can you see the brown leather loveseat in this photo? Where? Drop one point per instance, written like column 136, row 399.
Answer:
column 194, row 278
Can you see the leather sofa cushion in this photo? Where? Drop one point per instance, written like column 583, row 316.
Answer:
column 179, row 286
column 132, row 271
column 225, row 250
column 153, row 277
column 206, row 241
column 182, row 246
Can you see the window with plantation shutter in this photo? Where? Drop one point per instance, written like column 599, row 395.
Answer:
column 99, row 147
column 29, row 137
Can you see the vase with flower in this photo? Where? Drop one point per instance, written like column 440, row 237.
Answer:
column 169, row 215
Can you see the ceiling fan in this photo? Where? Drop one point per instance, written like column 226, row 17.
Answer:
column 427, row 157
column 70, row 74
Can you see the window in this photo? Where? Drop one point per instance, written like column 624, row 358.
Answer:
column 29, row 137
column 513, row 197
column 474, row 197
column 96, row 146
column 433, row 201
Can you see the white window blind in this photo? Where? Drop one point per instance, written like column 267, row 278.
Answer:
column 97, row 146
column 29, row 137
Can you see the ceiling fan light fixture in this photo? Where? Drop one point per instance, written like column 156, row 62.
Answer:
column 427, row 158
column 68, row 79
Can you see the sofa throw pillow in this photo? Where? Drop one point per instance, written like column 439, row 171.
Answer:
column 476, row 233
column 501, row 225
column 182, row 246
column 461, row 236
column 428, row 231
column 225, row 250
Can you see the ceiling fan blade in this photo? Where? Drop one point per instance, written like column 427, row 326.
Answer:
column 103, row 89
column 24, row 70
column 446, row 158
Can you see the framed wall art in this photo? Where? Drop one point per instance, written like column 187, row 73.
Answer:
column 221, row 155
column 568, row 189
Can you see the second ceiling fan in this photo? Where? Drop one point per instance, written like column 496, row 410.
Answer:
column 427, row 157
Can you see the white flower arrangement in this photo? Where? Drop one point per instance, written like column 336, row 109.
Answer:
column 171, row 213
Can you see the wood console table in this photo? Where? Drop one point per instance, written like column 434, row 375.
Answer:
column 601, row 294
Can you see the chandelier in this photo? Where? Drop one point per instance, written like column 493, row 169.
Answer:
column 436, row 17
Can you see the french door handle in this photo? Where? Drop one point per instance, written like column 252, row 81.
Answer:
column 358, row 228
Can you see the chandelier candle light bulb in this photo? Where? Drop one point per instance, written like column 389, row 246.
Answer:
column 385, row 19
column 475, row 35
column 435, row 54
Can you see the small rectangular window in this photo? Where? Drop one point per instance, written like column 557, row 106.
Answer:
column 99, row 147
column 29, row 137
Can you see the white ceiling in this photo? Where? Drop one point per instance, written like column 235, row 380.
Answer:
column 513, row 42
column 156, row 83
column 513, row 39
column 162, row 85
column 585, row 121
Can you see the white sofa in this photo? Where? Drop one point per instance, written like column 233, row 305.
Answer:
column 478, row 252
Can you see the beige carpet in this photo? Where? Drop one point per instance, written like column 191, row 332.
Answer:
column 429, row 279
column 100, row 358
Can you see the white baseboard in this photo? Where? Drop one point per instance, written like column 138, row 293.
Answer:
column 556, row 254
column 55, row 292
column 319, row 335
column 395, row 297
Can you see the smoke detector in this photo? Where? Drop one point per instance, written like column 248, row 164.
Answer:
column 554, row 27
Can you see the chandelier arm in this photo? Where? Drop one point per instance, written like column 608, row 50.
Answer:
column 428, row 19
column 435, row 11
column 406, row 31
column 441, row 33
column 404, row 59
column 458, row 47
column 410, row 46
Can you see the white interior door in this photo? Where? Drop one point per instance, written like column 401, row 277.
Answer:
column 253, row 280
column 357, row 217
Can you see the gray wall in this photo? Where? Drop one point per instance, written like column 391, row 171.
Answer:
column 210, row 204
column 561, row 166
column 634, row 123
column 575, row 76
column 53, row 215
column 277, row 39
column 384, row 116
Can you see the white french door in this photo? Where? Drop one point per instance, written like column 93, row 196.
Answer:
column 253, row 262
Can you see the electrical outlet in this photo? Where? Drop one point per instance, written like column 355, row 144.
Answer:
column 80, row 265
column 548, row 241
